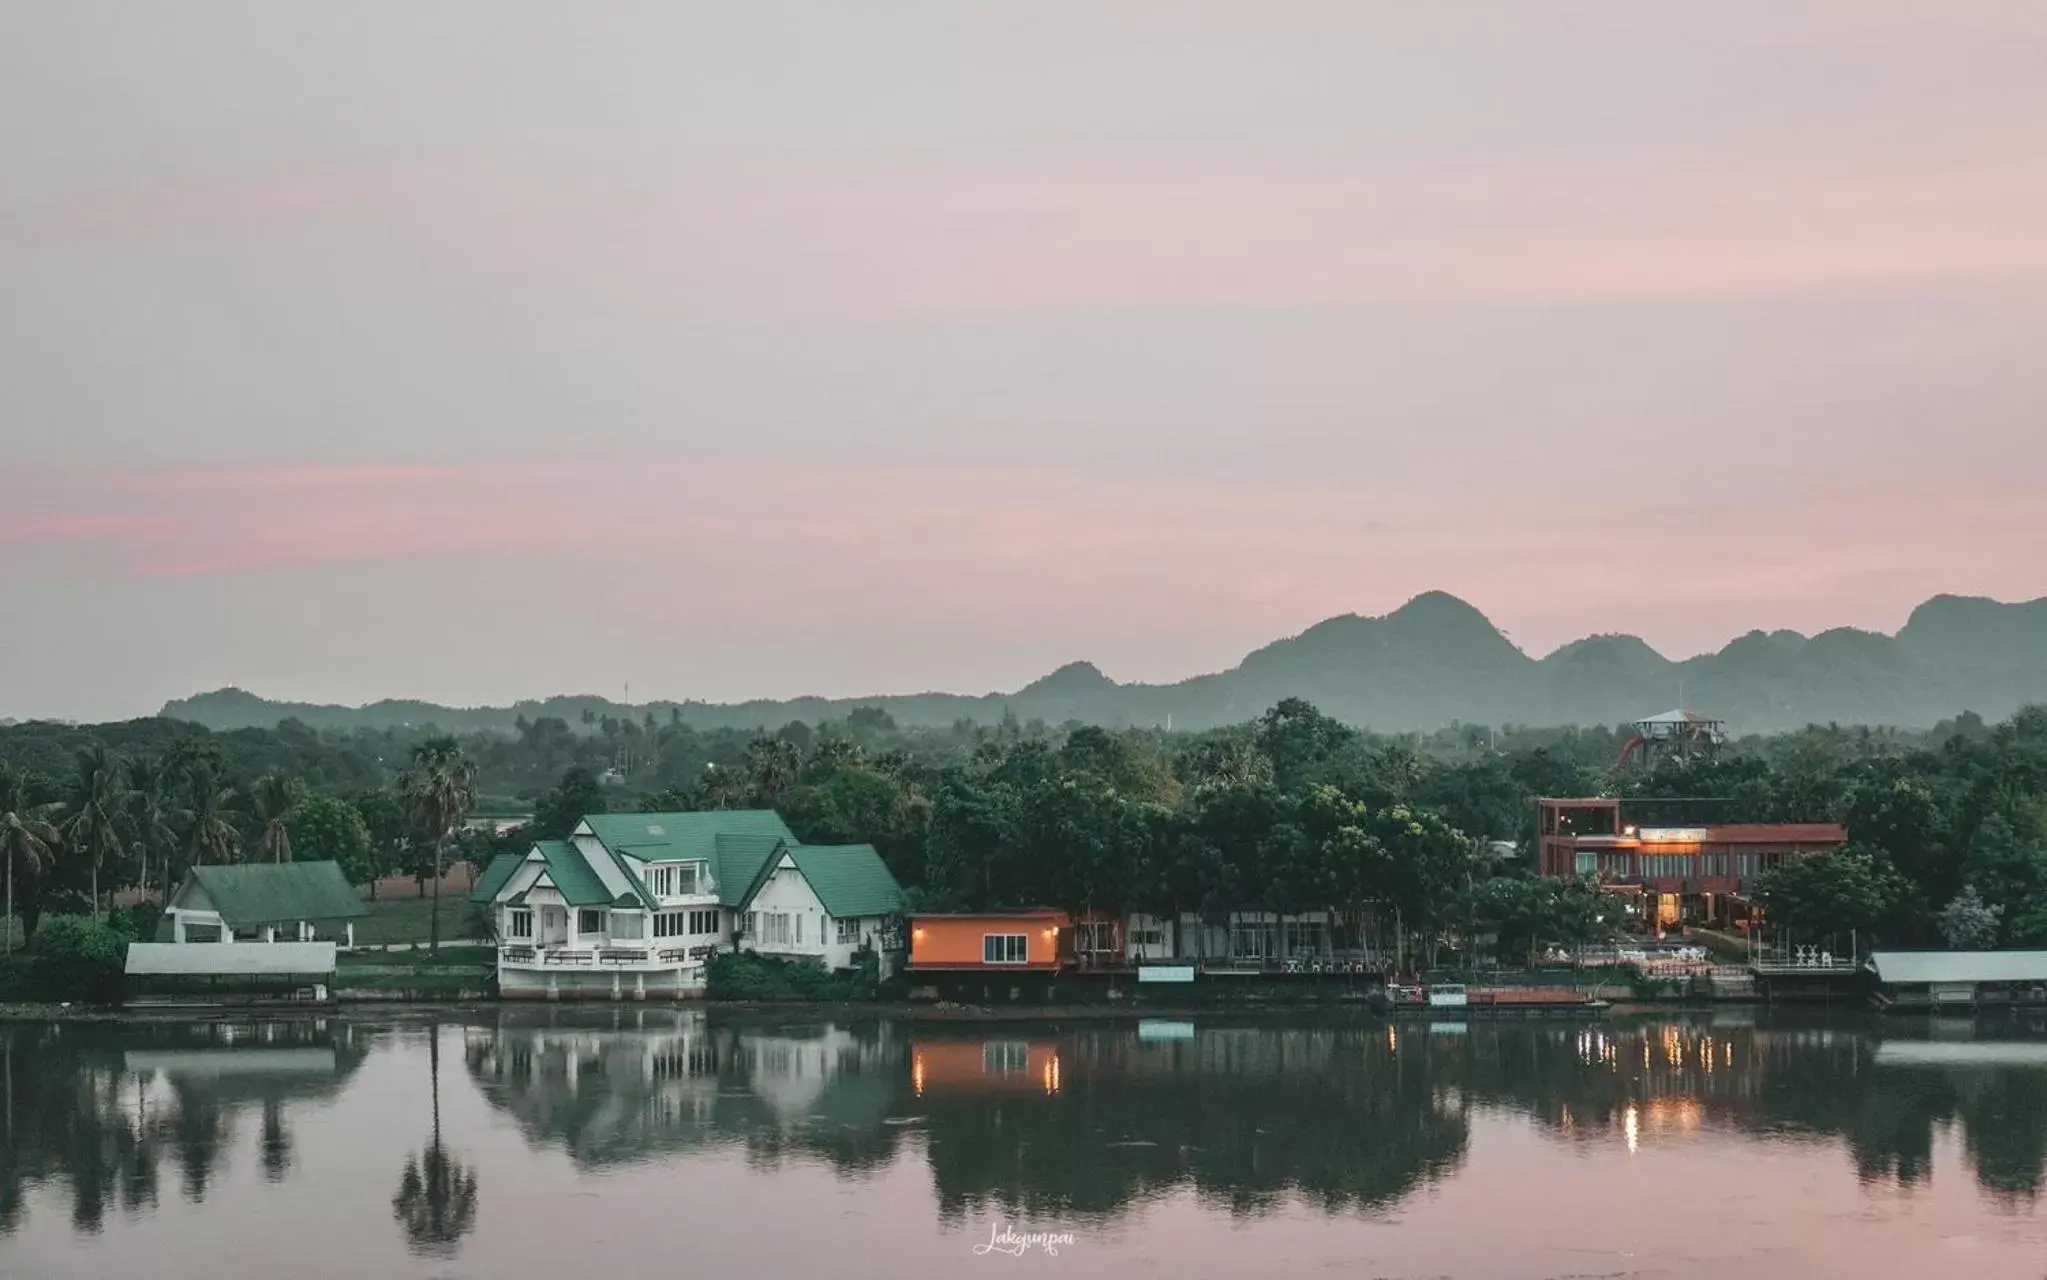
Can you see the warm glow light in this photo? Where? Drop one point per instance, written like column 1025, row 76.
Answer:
column 917, row 1074
column 1631, row 1125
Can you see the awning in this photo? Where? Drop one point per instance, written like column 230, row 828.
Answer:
column 222, row 959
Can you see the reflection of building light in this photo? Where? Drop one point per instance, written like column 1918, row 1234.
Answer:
column 1052, row 1074
column 1392, row 1041
column 1631, row 1125
column 917, row 1073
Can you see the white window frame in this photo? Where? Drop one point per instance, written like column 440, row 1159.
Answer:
column 519, row 923
column 589, row 913
column 849, row 930
column 997, row 948
column 635, row 926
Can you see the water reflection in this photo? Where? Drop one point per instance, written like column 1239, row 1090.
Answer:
column 101, row 1110
column 1033, row 1121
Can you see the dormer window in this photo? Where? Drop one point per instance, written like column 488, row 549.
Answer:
column 672, row 879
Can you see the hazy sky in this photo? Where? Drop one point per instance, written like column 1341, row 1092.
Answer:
column 483, row 350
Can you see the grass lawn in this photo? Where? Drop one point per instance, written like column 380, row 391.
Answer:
column 407, row 920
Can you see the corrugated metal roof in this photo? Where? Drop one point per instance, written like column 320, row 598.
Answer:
column 578, row 885
column 494, row 876
column 275, row 892
column 1911, row 967
column 210, row 959
column 850, row 880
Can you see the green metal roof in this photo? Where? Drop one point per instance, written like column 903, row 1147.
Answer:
column 494, row 876
column 274, row 892
column 573, row 878
column 742, row 861
column 849, row 879
column 733, row 842
column 683, row 837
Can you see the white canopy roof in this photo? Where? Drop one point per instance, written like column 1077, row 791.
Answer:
column 1959, row 966
column 221, row 959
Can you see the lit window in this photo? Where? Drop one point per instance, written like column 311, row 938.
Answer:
column 1005, row 948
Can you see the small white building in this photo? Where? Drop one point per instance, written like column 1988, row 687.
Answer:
column 264, row 902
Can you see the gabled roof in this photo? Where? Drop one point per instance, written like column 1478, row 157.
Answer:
column 743, row 862
column 683, row 837
column 274, row 892
column 494, row 876
column 849, row 879
column 578, row 885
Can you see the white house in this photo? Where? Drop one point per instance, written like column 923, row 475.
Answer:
column 824, row 902
column 636, row 903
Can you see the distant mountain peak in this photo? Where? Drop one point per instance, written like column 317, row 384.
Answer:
column 1072, row 680
column 1434, row 660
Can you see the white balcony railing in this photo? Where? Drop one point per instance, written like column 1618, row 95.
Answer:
column 665, row 957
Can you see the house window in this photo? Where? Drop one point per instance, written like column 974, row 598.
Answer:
column 1005, row 1057
column 589, row 920
column 670, row 924
column 628, row 926
column 753, row 924
column 1005, row 948
column 1588, row 863
column 849, row 932
column 518, row 924
column 672, row 880
column 703, row 921
column 799, row 931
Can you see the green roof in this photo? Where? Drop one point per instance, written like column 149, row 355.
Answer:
column 742, row 861
column 494, row 876
column 733, row 842
column 849, row 879
column 578, row 885
column 274, row 892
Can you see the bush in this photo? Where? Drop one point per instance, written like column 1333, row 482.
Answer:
column 76, row 958
column 746, row 975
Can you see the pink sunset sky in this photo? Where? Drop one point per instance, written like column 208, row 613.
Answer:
column 493, row 350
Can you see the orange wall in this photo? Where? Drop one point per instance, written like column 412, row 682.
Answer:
column 955, row 941
column 966, row 1066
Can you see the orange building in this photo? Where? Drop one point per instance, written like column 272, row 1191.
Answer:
column 1027, row 939
column 1684, row 874
column 998, row 1065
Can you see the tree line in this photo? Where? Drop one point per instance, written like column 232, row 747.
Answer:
column 1413, row 839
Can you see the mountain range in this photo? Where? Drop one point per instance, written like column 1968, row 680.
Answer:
column 1433, row 661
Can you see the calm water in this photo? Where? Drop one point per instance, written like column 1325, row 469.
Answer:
column 665, row 1143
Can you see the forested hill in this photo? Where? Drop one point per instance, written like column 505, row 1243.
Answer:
column 1434, row 661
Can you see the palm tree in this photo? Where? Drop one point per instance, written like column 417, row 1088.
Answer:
column 26, row 836
column 94, row 830
column 436, row 1200
column 152, row 781
column 213, row 831
column 438, row 790
column 772, row 765
column 275, row 799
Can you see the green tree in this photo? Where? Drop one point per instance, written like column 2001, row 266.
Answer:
column 1855, row 890
column 28, row 840
column 438, row 790
column 152, row 811
column 211, row 819
column 567, row 803
column 92, row 827
column 274, row 799
column 1969, row 923
column 330, row 829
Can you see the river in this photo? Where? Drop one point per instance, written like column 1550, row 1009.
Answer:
column 574, row 1144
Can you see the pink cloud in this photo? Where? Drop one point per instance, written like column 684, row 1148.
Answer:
column 1166, row 572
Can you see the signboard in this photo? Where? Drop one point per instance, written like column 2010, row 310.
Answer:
column 1166, row 973
column 1162, row 1029
column 1674, row 835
